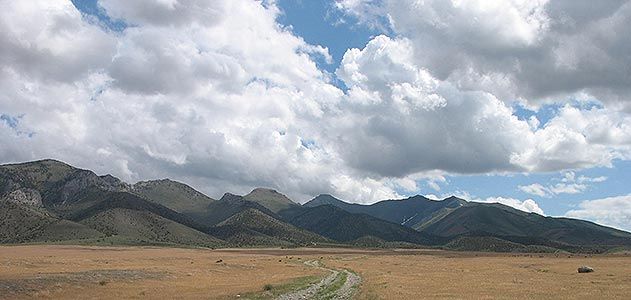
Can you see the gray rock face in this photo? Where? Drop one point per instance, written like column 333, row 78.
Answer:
column 25, row 196
column 585, row 269
column 84, row 179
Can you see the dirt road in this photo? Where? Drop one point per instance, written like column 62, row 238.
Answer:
column 339, row 284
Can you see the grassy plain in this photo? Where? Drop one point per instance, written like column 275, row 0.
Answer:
column 58, row 271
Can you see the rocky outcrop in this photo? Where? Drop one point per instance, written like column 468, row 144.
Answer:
column 83, row 180
column 25, row 196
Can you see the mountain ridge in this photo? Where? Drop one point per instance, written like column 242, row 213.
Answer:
column 51, row 201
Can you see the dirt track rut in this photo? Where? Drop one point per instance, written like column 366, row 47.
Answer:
column 329, row 287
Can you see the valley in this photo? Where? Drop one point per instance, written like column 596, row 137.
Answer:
column 68, row 232
column 61, row 272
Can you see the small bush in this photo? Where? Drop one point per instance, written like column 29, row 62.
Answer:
column 267, row 287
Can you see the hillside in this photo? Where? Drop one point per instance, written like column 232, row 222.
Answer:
column 270, row 199
column 172, row 194
column 412, row 212
column 453, row 217
column 50, row 201
column 146, row 227
column 24, row 224
column 111, row 200
column 511, row 224
column 224, row 208
column 258, row 225
column 54, row 182
column 340, row 225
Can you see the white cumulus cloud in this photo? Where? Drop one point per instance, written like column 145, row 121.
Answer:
column 611, row 211
column 569, row 184
column 527, row 205
column 220, row 95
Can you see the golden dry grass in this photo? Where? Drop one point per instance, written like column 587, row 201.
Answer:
column 113, row 272
column 158, row 273
column 447, row 275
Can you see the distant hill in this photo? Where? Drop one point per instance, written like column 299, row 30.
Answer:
column 253, row 227
column 453, row 218
column 270, row 199
column 224, row 208
column 510, row 224
column 340, row 225
column 172, row 194
column 147, row 227
column 412, row 212
column 49, row 201
column 54, row 182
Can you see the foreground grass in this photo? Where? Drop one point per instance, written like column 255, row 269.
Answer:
column 270, row 291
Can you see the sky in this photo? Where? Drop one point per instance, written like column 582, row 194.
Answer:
column 524, row 103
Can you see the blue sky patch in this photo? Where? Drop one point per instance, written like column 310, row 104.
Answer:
column 91, row 8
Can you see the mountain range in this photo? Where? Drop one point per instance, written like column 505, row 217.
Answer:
column 48, row 201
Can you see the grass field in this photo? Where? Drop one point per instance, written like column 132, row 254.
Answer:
column 118, row 272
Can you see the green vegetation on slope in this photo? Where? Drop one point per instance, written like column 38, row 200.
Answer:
column 224, row 208
column 411, row 212
column 270, row 199
column 50, row 201
column 255, row 220
column 172, row 194
column 525, row 228
column 24, row 224
column 340, row 225
column 147, row 226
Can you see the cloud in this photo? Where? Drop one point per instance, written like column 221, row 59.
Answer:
column 576, row 139
column 220, row 95
column 535, row 189
column 612, row 211
column 166, row 12
column 400, row 120
column 514, row 49
column 50, row 41
column 569, row 184
column 527, row 205
column 403, row 120
column 530, row 52
column 224, row 105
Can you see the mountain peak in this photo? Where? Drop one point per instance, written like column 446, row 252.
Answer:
column 230, row 196
column 47, row 162
column 270, row 199
column 454, row 199
column 264, row 190
column 172, row 194
column 326, row 196
column 324, row 199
